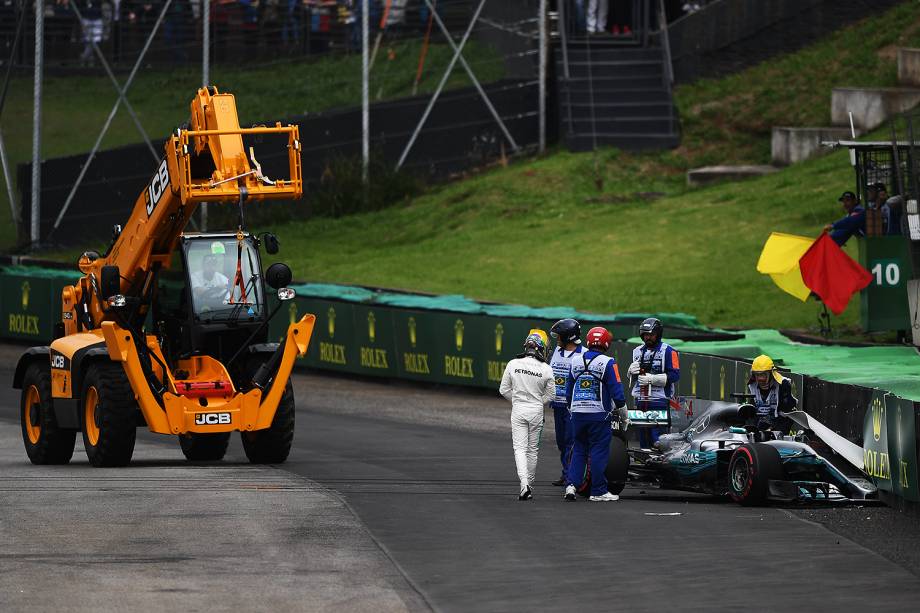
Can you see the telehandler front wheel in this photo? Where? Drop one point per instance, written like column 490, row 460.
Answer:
column 45, row 442
column 272, row 445
column 108, row 415
column 204, row 447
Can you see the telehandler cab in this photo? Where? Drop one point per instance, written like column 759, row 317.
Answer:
column 186, row 356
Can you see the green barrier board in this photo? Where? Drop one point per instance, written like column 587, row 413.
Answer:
column 907, row 449
column 373, row 332
column 883, row 303
column 414, row 340
column 29, row 306
column 876, row 452
column 721, row 379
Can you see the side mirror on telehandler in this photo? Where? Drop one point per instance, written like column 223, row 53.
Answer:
column 110, row 283
column 271, row 243
column 278, row 275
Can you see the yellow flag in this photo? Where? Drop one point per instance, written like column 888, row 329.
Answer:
column 780, row 259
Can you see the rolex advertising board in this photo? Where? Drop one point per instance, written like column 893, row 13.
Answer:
column 461, row 348
column 721, row 379
column 334, row 343
column 373, row 332
column 505, row 340
column 876, row 453
column 694, row 376
column 414, row 335
column 905, row 418
column 30, row 306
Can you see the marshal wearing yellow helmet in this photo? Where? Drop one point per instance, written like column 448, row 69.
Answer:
column 772, row 394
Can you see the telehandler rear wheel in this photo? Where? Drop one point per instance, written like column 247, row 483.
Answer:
column 272, row 446
column 108, row 415
column 45, row 442
column 204, row 447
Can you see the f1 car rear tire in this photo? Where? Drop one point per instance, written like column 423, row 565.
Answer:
column 617, row 472
column 108, row 415
column 45, row 441
column 272, row 445
column 204, row 447
column 750, row 470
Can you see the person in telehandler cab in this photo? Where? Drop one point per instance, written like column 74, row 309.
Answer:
column 772, row 394
column 209, row 285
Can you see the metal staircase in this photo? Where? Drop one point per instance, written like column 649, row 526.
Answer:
column 615, row 92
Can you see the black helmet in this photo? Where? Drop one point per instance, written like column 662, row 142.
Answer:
column 651, row 325
column 567, row 330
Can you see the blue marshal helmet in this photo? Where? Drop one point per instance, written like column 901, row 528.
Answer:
column 567, row 331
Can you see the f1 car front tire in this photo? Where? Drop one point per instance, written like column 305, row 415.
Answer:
column 750, row 470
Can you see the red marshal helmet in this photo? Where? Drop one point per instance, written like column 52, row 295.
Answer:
column 598, row 338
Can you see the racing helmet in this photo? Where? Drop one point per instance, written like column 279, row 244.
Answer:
column 598, row 338
column 567, row 331
column 651, row 325
column 535, row 347
column 764, row 363
column 541, row 334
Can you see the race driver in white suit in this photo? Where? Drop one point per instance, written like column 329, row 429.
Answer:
column 529, row 384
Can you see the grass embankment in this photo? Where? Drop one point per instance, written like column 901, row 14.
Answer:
column 75, row 108
column 581, row 230
column 615, row 232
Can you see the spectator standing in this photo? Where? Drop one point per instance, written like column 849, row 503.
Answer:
column 92, row 26
column 597, row 16
column 854, row 222
column 292, row 14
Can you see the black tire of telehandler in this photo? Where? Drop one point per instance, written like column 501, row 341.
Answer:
column 204, row 447
column 272, row 445
column 45, row 441
column 114, row 411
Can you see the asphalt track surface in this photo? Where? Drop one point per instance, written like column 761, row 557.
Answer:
column 398, row 497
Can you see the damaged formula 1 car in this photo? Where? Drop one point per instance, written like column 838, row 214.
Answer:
column 725, row 452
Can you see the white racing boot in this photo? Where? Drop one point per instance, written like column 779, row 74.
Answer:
column 608, row 497
column 526, row 493
column 570, row 493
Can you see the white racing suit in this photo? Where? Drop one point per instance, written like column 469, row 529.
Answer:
column 529, row 384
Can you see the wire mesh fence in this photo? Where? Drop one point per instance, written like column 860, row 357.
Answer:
column 452, row 86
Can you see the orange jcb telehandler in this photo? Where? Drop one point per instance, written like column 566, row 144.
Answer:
column 173, row 341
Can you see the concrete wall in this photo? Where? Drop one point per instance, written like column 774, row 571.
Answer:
column 792, row 145
column 909, row 67
column 870, row 107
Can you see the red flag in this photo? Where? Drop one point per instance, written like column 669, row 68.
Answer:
column 831, row 274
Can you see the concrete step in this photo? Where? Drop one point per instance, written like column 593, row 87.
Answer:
column 628, row 142
column 713, row 174
column 909, row 67
column 792, row 145
column 871, row 106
